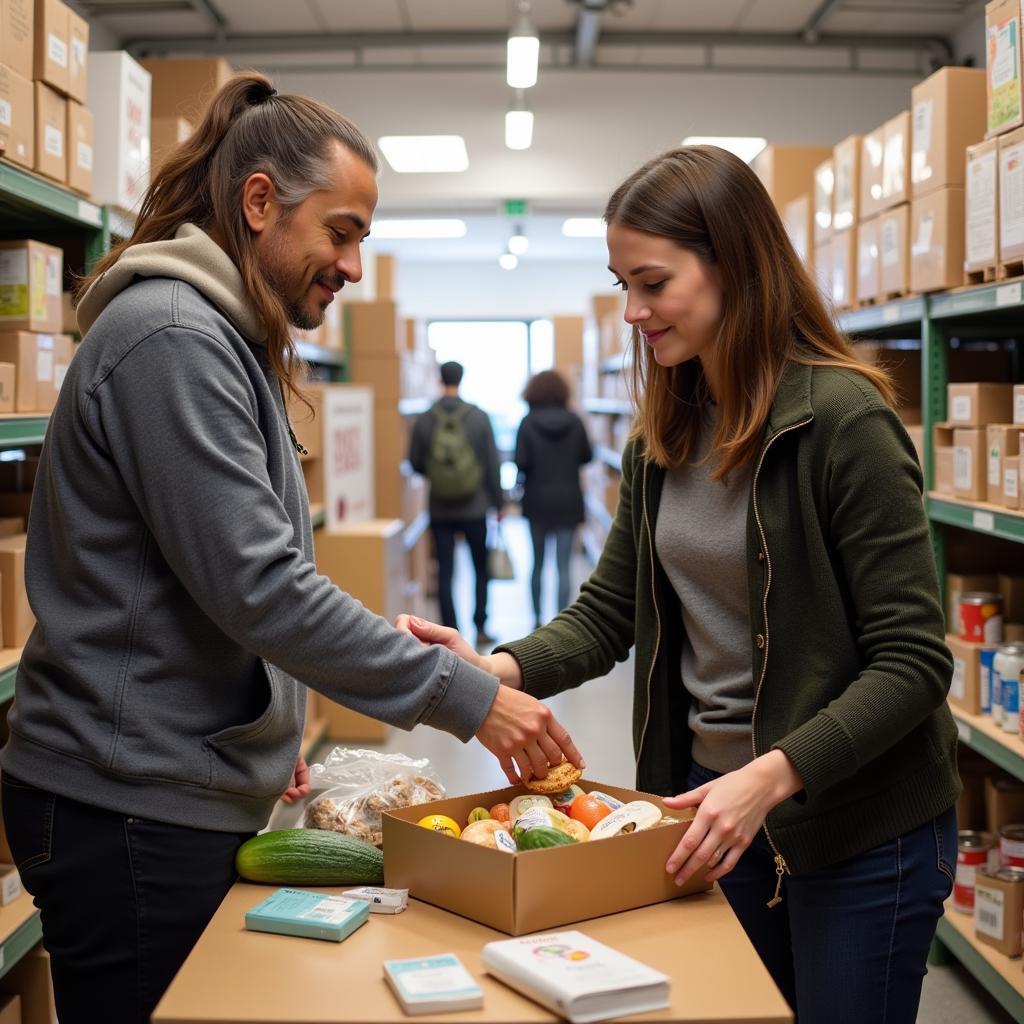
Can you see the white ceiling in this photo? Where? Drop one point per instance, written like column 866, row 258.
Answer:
column 661, row 69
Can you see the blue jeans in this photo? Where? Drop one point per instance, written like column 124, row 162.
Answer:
column 563, row 549
column 849, row 942
column 122, row 900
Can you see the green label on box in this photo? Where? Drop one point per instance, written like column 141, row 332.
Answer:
column 13, row 284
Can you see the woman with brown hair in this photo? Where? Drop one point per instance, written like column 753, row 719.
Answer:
column 551, row 445
column 770, row 562
column 161, row 697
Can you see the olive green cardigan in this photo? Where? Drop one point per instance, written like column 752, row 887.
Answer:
column 849, row 663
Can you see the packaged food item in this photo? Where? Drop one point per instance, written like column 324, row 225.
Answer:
column 360, row 784
column 635, row 816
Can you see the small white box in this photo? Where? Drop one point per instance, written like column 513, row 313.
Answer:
column 121, row 139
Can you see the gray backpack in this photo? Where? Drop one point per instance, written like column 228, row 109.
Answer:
column 453, row 469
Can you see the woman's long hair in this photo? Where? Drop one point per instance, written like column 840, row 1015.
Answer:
column 248, row 128
column 710, row 202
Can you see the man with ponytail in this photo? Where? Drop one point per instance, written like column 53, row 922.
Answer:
column 161, row 697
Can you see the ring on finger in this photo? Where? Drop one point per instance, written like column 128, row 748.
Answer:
column 716, row 857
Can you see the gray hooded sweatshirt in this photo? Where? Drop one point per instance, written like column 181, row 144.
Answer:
column 170, row 567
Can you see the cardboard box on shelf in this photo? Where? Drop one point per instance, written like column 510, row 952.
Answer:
column 17, row 118
column 894, row 251
column 970, row 478
column 942, row 460
column 568, row 331
column 824, row 189
column 1003, row 449
column 1011, row 203
column 390, row 447
column 51, row 151
column 607, row 304
column 50, row 63
column 1011, row 589
column 798, row 218
column 79, row 138
column 78, row 58
column 844, row 268
column 15, row 613
column 1004, row 802
column 385, row 265
column 183, row 86
column 964, row 688
column 535, row 891
column 872, row 154
column 1011, row 481
column 166, row 134
column 30, row 980
column 1003, row 66
column 21, row 348
column 122, row 139
column 785, row 171
column 937, row 240
column 867, row 260
column 981, row 215
column 998, row 910
column 948, row 110
column 896, row 160
column 10, row 1010
column 7, row 372
column 373, row 329
column 916, row 432
column 63, row 350
column 823, row 268
column 17, row 36
column 977, row 404
column 846, row 198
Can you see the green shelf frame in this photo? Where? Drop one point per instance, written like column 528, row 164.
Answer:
column 18, row 188
column 982, row 520
column 993, row 982
column 880, row 320
column 22, row 430
column 980, row 742
column 20, row 942
column 7, row 677
column 987, row 299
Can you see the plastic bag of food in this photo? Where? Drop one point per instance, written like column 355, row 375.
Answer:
column 360, row 784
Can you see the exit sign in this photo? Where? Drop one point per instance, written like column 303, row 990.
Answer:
column 515, row 207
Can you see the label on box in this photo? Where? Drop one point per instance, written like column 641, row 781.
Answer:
column 981, row 209
column 44, row 357
column 53, row 141
column 53, row 263
column 1010, row 481
column 5, row 113
column 1002, row 61
column 1011, row 197
column 84, row 156
column 60, row 371
column 37, row 285
column 78, row 51
column 921, row 141
column 890, row 242
column 962, row 479
column 923, row 242
column 14, row 284
column 995, row 458
column 57, row 50
column 988, row 911
column 961, row 409
column 958, row 684
column 892, row 166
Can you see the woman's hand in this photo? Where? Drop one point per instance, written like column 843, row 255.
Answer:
column 299, row 787
column 730, row 811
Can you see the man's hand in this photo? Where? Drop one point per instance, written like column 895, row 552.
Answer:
column 444, row 636
column 525, row 737
column 299, row 788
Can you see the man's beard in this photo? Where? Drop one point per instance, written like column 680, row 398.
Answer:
column 275, row 271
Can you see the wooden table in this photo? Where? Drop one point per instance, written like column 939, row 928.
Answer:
column 238, row 977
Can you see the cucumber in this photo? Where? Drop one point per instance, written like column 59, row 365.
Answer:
column 309, row 856
column 541, row 838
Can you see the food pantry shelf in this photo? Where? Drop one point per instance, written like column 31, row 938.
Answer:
column 20, row 930
column 883, row 318
column 986, row 737
column 9, row 658
column 23, row 197
column 976, row 515
column 1000, row 975
column 18, row 429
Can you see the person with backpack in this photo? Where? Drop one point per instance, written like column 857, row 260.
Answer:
column 452, row 445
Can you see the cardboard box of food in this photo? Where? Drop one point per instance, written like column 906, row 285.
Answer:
column 824, row 189
column 1003, row 450
column 937, row 240
column 896, row 160
column 894, row 251
column 970, row 478
column 21, row 349
column 998, row 910
column 798, row 218
column 844, row 268
column 785, row 171
column 846, row 198
column 17, row 22
column 78, row 57
column 15, row 612
column 51, row 44
column 1003, row 66
column 867, row 260
column 948, row 116
column 1011, row 203
column 30, row 979
column 964, row 687
column 183, row 86
column 167, row 133
column 872, row 156
column 530, row 891
column 978, row 404
column 981, row 245
column 17, row 118
column 1004, row 801
column 51, row 148
column 79, row 140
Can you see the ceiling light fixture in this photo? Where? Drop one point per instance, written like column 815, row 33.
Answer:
column 519, row 123
column 583, row 227
column 420, row 227
column 508, row 261
column 523, row 51
column 425, row 154
column 746, row 147
column 518, row 243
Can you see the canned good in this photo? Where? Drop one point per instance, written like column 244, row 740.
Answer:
column 1008, row 662
column 1011, row 846
column 986, row 673
column 973, row 849
column 981, row 617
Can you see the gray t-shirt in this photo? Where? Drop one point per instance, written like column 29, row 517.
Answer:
column 700, row 539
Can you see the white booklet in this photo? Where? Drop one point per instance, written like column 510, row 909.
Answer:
column 576, row 976
column 433, row 984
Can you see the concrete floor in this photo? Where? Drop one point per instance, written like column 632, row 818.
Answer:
column 597, row 715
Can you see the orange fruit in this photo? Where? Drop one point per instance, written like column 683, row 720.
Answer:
column 588, row 810
column 500, row 812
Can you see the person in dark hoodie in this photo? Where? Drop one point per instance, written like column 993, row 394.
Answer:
column 160, row 699
column 551, row 446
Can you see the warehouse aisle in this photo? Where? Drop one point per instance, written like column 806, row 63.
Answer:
column 598, row 716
